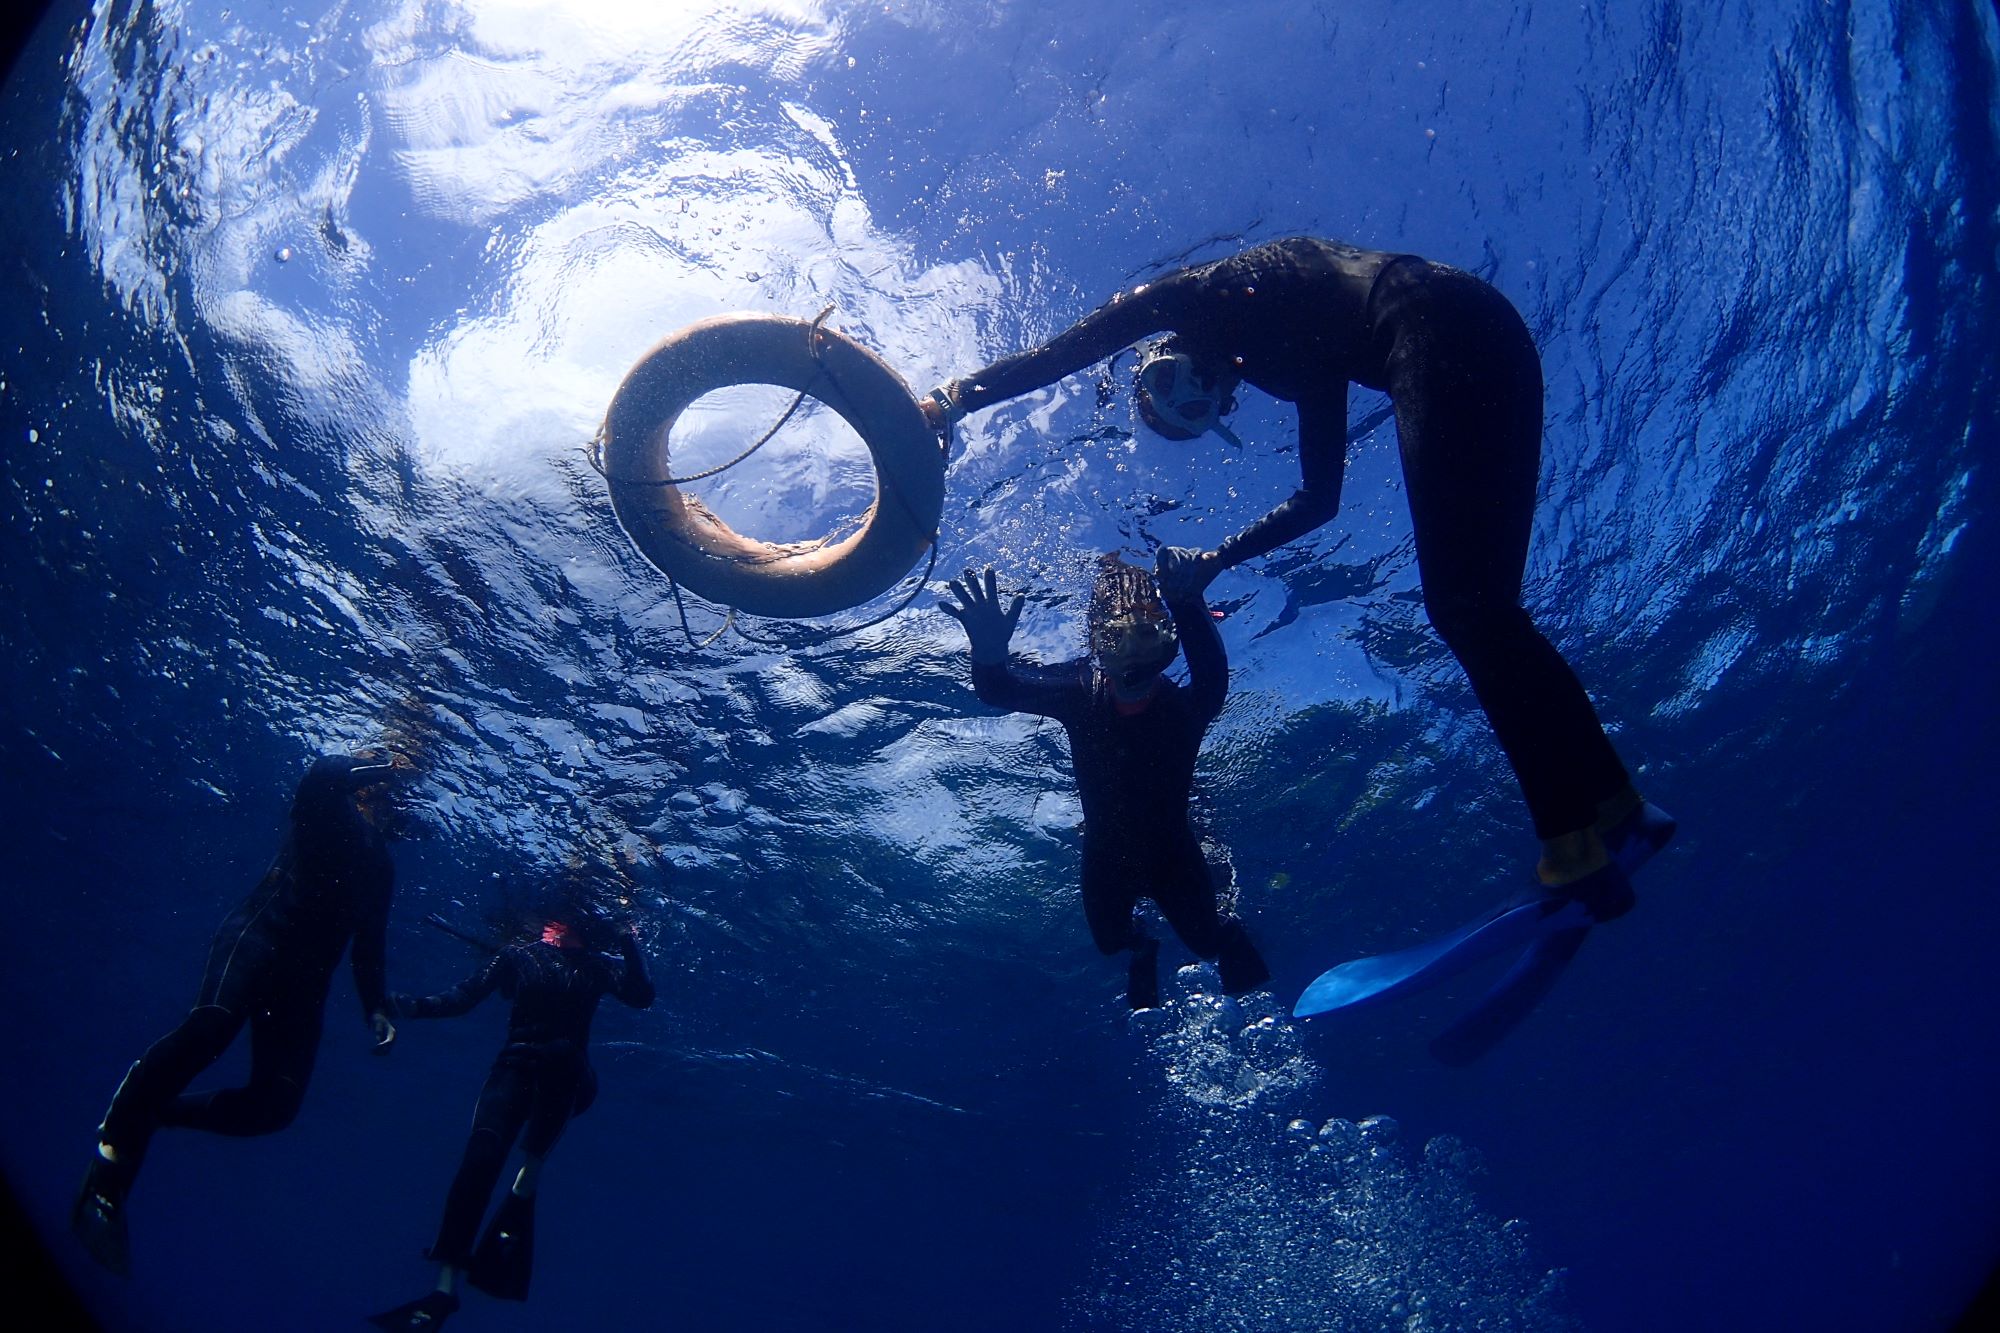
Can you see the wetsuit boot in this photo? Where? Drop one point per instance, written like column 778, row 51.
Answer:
column 1635, row 839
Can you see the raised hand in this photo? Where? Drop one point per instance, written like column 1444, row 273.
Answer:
column 987, row 627
column 1184, row 573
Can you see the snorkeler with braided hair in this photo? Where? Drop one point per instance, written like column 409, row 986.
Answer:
column 269, row 967
column 1302, row 318
column 540, row 1081
column 1134, row 735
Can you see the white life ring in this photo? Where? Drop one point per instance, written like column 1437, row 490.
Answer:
column 692, row 546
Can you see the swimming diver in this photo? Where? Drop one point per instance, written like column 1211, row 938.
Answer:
column 1302, row 317
column 1134, row 736
column 539, row 1081
column 269, row 965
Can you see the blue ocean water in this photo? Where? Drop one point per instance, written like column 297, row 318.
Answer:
column 312, row 311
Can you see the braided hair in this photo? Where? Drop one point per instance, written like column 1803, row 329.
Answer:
column 1124, row 593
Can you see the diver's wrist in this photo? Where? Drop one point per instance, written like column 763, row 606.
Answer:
column 945, row 404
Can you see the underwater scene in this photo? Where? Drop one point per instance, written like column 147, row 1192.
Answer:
column 1295, row 666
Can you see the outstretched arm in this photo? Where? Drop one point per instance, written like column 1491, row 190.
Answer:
column 460, row 999
column 1121, row 321
column 368, row 957
column 634, row 986
column 1208, row 661
column 1322, row 459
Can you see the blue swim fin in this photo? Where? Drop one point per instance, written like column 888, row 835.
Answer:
column 1511, row 925
column 1512, row 998
column 1547, row 927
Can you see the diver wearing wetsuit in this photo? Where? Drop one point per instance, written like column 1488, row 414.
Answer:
column 269, row 965
column 539, row 1081
column 1134, row 736
column 1301, row 318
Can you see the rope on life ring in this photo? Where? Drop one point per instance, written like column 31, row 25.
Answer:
column 692, row 546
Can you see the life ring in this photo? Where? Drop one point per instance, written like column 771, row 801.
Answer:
column 689, row 544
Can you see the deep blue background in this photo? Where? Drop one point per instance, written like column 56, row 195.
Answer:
column 252, row 505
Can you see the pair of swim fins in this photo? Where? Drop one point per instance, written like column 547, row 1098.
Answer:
column 1546, row 927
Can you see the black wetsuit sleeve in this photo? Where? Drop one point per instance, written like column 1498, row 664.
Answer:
column 1208, row 661
column 1060, row 692
column 634, row 986
column 1322, row 460
column 460, row 999
column 369, row 953
column 1120, row 322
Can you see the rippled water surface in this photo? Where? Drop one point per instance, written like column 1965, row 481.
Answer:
column 313, row 311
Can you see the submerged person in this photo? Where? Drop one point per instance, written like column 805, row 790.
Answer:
column 540, row 1080
column 1301, row 318
column 1134, row 736
column 269, row 966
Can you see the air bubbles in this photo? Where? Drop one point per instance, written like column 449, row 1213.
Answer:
column 283, row 254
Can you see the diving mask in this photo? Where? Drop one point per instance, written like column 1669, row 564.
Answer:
column 1176, row 399
column 1131, row 649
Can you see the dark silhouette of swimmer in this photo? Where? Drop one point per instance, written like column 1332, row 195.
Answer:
column 540, row 1080
column 269, row 966
column 1301, row 318
column 1134, row 736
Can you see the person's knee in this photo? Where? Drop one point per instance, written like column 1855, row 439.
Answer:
column 485, row 1144
column 1468, row 622
column 274, row 1106
column 208, row 1029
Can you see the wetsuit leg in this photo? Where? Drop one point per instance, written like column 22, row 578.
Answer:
column 167, row 1067
column 586, row 1091
column 1466, row 382
column 284, row 1043
column 496, row 1121
column 1184, row 889
column 561, row 1093
column 1109, row 895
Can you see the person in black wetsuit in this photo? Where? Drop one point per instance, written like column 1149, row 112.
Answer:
column 269, row 966
column 1301, row 318
column 1134, row 736
column 540, row 1080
